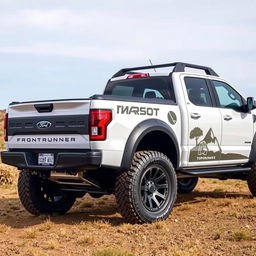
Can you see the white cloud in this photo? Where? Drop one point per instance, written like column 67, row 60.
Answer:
column 85, row 52
column 115, row 35
column 51, row 19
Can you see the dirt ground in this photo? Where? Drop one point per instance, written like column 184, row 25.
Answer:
column 218, row 218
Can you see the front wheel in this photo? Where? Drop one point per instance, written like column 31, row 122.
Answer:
column 147, row 191
column 187, row 185
column 40, row 196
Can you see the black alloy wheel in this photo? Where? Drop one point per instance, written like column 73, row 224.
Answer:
column 154, row 188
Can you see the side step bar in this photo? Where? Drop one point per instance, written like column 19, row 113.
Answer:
column 213, row 170
column 76, row 183
column 78, row 179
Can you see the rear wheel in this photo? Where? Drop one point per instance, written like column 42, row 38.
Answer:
column 40, row 196
column 187, row 185
column 147, row 191
column 251, row 180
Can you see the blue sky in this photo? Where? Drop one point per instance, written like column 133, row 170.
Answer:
column 63, row 49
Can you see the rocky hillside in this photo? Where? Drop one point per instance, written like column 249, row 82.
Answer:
column 1, row 129
column 8, row 174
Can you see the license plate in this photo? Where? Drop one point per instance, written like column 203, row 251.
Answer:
column 46, row 159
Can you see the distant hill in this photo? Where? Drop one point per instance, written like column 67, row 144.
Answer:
column 1, row 129
column 1, row 114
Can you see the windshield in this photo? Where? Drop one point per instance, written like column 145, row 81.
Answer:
column 150, row 87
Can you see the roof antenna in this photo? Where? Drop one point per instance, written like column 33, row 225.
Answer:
column 151, row 64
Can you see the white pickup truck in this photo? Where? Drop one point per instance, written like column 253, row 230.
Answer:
column 148, row 136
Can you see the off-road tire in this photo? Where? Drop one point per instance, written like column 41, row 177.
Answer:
column 187, row 185
column 251, row 180
column 33, row 198
column 128, row 189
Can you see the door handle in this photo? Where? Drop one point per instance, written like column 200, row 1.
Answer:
column 195, row 115
column 227, row 117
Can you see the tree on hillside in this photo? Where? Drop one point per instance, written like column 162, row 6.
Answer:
column 196, row 133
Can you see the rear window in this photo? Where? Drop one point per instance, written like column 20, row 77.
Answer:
column 150, row 87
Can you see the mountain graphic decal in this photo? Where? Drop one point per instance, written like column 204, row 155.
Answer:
column 201, row 151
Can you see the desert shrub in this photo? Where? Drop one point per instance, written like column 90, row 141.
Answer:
column 242, row 235
column 7, row 174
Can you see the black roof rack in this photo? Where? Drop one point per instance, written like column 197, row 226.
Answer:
column 178, row 67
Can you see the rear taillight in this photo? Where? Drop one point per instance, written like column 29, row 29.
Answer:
column 6, row 127
column 99, row 120
column 138, row 75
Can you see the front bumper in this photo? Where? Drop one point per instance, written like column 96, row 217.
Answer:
column 64, row 160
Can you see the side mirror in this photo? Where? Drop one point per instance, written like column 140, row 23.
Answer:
column 251, row 104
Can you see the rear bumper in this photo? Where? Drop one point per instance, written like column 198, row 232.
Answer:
column 64, row 160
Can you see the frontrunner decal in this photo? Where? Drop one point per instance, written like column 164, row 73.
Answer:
column 45, row 140
column 201, row 151
column 133, row 110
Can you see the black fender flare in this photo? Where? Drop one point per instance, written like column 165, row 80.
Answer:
column 137, row 135
column 252, row 156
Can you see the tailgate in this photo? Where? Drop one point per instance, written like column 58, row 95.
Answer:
column 49, row 125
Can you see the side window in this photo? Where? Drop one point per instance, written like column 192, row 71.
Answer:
column 151, row 93
column 198, row 92
column 227, row 96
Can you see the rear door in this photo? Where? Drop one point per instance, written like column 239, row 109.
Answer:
column 204, row 121
column 237, row 125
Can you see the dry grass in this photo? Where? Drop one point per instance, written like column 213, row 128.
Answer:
column 83, row 225
column 184, row 207
column 243, row 235
column 218, row 190
column 21, row 244
column 52, row 244
column 4, row 229
column 30, row 233
column 85, row 240
column 7, row 174
column 224, row 203
column 160, row 225
column 234, row 214
column 111, row 252
column 35, row 252
column 64, row 233
column 101, row 202
column 46, row 225
column 127, row 226
column 86, row 205
column 188, row 251
column 101, row 224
